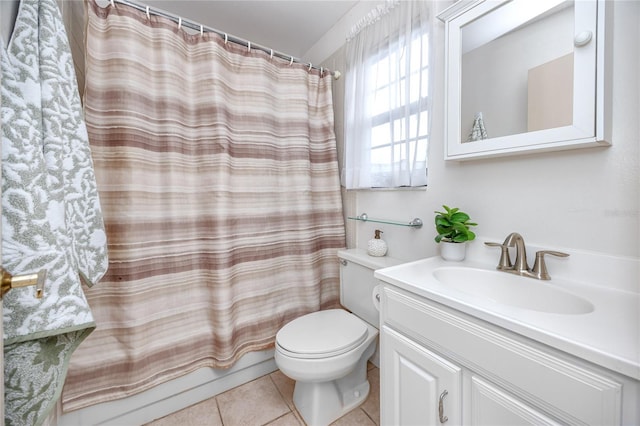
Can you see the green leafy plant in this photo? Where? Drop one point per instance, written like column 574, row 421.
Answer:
column 453, row 225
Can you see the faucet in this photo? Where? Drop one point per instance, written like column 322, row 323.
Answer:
column 521, row 267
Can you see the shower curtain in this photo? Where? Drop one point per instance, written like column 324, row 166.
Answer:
column 217, row 171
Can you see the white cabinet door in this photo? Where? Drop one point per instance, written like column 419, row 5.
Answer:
column 490, row 405
column 417, row 386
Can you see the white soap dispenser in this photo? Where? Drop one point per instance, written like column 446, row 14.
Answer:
column 376, row 246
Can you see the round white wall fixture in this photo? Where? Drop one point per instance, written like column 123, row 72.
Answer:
column 582, row 38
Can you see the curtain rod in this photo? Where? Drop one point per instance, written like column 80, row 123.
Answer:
column 227, row 37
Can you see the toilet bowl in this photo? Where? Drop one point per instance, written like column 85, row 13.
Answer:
column 329, row 382
column 326, row 352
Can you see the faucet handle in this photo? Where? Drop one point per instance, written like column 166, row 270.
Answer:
column 505, row 261
column 540, row 268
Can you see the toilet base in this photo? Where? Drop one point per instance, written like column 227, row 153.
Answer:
column 321, row 403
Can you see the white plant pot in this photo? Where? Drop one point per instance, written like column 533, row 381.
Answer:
column 453, row 251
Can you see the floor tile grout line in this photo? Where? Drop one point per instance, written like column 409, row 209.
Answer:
column 215, row 398
column 292, row 410
column 278, row 389
column 367, row 414
column 277, row 418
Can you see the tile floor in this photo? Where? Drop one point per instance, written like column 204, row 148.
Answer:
column 267, row 400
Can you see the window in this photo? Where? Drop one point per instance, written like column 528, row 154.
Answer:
column 387, row 101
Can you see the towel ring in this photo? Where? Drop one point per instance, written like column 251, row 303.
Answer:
column 310, row 66
column 291, row 61
column 148, row 15
column 271, row 54
column 201, row 30
column 248, row 46
column 179, row 23
column 226, row 38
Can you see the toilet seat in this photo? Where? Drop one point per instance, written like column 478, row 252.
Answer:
column 322, row 334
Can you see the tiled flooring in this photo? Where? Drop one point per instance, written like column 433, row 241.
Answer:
column 267, row 400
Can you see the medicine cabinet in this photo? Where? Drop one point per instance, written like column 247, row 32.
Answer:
column 526, row 76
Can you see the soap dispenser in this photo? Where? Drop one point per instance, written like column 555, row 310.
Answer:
column 376, row 246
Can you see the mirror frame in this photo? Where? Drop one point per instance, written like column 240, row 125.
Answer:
column 592, row 99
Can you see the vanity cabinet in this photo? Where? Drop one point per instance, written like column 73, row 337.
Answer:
column 433, row 356
column 419, row 384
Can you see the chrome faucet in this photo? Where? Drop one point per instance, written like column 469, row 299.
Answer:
column 521, row 267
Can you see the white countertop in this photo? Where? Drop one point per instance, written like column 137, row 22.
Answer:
column 608, row 336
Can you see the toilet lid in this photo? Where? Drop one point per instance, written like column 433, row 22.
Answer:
column 323, row 333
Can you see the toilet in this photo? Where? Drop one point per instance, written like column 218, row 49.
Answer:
column 326, row 352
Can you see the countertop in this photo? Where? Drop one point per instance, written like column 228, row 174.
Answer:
column 608, row 336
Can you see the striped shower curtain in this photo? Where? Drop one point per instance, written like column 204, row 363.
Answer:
column 217, row 173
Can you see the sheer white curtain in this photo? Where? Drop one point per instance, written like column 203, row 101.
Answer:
column 387, row 97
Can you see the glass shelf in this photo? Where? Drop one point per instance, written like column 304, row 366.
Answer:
column 415, row 223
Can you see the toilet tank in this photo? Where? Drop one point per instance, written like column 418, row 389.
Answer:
column 357, row 282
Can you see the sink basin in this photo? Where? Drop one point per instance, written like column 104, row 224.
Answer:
column 512, row 290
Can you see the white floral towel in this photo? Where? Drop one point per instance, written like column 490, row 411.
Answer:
column 51, row 215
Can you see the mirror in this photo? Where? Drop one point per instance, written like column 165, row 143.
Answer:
column 522, row 79
column 524, row 76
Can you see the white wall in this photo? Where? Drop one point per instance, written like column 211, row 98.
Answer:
column 584, row 199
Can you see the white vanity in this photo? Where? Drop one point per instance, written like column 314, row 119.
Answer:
column 459, row 347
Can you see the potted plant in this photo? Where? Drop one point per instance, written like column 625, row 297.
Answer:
column 453, row 230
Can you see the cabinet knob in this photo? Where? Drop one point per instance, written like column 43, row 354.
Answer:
column 582, row 38
column 443, row 418
column 9, row 281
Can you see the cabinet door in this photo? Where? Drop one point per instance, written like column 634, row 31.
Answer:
column 417, row 386
column 493, row 406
